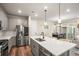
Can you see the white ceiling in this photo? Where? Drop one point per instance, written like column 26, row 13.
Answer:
column 52, row 13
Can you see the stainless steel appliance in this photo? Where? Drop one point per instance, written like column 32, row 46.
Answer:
column 26, row 31
column 3, row 47
column 21, row 31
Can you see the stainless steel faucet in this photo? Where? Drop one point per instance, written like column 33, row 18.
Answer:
column 42, row 33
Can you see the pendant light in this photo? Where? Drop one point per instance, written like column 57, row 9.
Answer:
column 59, row 20
column 45, row 22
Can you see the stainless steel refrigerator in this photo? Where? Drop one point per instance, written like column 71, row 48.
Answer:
column 21, row 31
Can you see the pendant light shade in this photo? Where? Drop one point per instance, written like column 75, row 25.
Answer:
column 59, row 20
column 45, row 22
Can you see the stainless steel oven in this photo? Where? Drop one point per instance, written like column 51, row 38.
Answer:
column 4, row 47
column 21, row 32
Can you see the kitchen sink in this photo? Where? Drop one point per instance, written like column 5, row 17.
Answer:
column 40, row 39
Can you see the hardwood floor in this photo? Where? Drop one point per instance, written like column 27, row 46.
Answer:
column 21, row 51
column 25, row 51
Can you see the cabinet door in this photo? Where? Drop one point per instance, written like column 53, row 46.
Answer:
column 44, row 52
column 12, row 42
column 35, row 48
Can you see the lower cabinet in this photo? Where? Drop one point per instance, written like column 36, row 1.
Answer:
column 35, row 47
column 11, row 42
column 44, row 52
column 38, row 50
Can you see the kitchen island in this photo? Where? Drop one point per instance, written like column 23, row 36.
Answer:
column 54, row 46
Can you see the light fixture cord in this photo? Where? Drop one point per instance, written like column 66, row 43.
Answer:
column 59, row 10
column 45, row 14
column 59, row 17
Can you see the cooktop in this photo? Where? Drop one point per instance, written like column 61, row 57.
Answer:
column 2, row 42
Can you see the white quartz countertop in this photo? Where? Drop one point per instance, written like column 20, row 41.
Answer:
column 6, row 35
column 56, row 47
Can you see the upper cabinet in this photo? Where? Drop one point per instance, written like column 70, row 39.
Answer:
column 3, row 19
column 17, row 20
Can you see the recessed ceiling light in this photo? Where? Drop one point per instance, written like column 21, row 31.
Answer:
column 36, row 15
column 19, row 11
column 45, row 8
column 68, row 10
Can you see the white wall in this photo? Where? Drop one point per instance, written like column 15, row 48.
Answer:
column 17, row 20
column 37, row 26
column 33, row 27
column 4, row 19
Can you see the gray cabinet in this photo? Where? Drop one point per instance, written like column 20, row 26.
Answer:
column 44, row 52
column 11, row 42
column 3, row 19
column 35, row 47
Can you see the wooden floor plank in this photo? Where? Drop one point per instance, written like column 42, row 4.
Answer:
column 21, row 51
column 13, row 51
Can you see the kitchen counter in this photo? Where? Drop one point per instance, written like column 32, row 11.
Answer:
column 56, row 47
column 6, row 35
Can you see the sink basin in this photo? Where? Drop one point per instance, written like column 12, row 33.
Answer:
column 39, row 39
